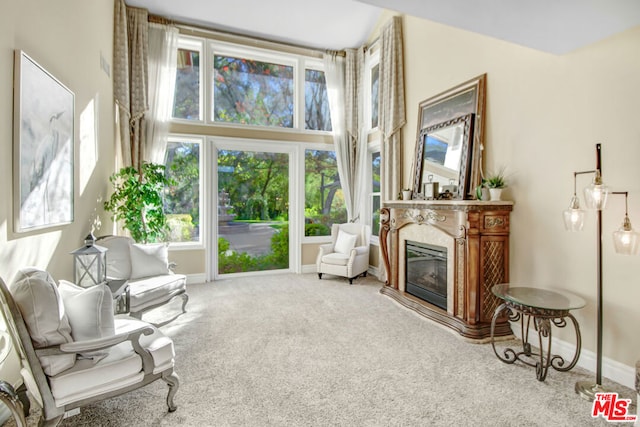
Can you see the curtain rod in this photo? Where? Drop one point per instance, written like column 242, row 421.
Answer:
column 251, row 40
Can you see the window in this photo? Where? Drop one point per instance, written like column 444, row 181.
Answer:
column 375, row 84
column 252, row 92
column 324, row 201
column 316, row 101
column 374, row 213
column 187, row 96
column 182, row 198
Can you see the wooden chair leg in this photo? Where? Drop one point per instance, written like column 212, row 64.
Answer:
column 174, row 384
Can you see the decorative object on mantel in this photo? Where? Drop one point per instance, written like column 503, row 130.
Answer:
column 406, row 194
column 625, row 240
column 450, row 139
column 475, row 238
column 496, row 182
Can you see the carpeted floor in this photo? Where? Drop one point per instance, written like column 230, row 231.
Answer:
column 292, row 350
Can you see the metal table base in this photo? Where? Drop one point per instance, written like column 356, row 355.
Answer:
column 543, row 319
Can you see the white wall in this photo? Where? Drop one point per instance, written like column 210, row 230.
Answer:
column 67, row 38
column 545, row 113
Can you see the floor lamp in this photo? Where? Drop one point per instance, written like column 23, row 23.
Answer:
column 625, row 242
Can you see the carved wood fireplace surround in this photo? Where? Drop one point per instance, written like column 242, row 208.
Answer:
column 476, row 236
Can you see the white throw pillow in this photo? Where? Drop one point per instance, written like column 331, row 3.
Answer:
column 345, row 242
column 36, row 295
column 90, row 310
column 118, row 256
column 149, row 260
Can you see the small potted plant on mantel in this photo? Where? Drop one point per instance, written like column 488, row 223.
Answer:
column 496, row 182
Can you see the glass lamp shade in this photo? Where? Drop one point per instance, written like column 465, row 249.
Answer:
column 574, row 216
column 595, row 195
column 625, row 240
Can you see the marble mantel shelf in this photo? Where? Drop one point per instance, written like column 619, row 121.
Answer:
column 463, row 205
column 478, row 236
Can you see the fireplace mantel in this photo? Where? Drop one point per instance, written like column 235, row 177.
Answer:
column 478, row 234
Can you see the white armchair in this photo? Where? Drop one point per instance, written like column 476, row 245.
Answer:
column 348, row 253
column 72, row 358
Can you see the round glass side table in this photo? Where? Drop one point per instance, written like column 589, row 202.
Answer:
column 545, row 308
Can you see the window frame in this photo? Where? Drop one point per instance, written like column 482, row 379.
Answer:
column 302, row 193
column 372, row 147
column 372, row 58
column 194, row 139
column 195, row 44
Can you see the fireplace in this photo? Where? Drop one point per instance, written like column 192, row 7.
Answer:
column 426, row 272
column 473, row 237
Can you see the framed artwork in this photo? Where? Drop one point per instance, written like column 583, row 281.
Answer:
column 43, row 147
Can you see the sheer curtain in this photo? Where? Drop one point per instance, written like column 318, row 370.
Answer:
column 163, row 49
column 392, row 107
column 344, row 89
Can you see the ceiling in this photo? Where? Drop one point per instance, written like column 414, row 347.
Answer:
column 552, row 26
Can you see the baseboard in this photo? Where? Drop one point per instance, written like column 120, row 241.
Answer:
column 195, row 278
column 611, row 369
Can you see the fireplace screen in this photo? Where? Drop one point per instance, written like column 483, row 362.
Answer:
column 426, row 272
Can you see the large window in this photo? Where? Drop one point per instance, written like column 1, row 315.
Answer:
column 375, row 193
column 316, row 101
column 182, row 198
column 324, row 201
column 251, row 92
column 187, row 98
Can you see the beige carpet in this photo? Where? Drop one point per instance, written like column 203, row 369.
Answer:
column 292, row 350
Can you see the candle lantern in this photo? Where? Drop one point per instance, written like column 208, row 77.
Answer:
column 90, row 263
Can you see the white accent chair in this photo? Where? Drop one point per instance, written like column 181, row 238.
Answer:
column 146, row 268
column 62, row 367
column 348, row 253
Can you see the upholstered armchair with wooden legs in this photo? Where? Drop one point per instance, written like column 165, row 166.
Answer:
column 73, row 352
column 348, row 253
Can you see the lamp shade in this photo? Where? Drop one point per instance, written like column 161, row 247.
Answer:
column 625, row 240
column 595, row 195
column 574, row 216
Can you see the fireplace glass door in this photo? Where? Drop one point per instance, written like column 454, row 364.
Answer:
column 426, row 272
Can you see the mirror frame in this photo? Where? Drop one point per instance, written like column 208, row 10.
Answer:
column 465, row 150
column 466, row 98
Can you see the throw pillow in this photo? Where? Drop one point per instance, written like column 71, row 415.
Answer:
column 149, row 260
column 345, row 242
column 90, row 310
column 118, row 257
column 36, row 295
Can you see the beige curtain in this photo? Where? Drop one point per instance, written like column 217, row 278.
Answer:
column 130, row 80
column 392, row 107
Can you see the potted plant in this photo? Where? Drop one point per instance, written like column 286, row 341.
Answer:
column 137, row 201
column 495, row 182
column 406, row 194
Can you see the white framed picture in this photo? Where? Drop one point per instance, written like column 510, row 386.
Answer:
column 43, row 147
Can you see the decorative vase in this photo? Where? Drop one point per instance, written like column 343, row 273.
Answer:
column 495, row 193
column 406, row 194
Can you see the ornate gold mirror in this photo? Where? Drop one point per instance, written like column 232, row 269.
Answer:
column 450, row 140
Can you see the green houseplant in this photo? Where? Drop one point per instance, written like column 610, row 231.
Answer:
column 137, row 201
column 495, row 182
